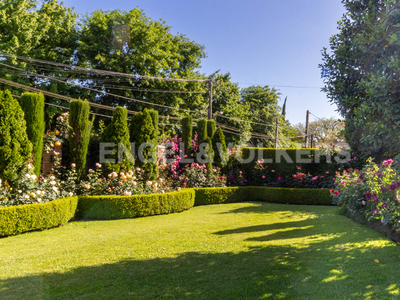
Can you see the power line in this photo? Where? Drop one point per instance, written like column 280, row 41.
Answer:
column 102, row 72
column 285, row 86
column 98, row 91
column 314, row 116
column 265, row 124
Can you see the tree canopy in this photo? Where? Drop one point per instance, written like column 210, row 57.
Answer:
column 362, row 70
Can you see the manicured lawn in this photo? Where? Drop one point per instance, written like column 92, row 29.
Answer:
column 233, row 251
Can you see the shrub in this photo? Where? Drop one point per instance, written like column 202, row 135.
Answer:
column 142, row 132
column 195, row 175
column 202, row 130
column 15, row 147
column 268, row 194
column 33, row 106
column 117, row 132
column 156, row 133
column 119, row 207
column 187, row 133
column 219, row 148
column 371, row 193
column 211, row 126
column 79, row 134
column 24, row 218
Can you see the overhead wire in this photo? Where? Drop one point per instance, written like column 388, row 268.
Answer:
column 98, row 91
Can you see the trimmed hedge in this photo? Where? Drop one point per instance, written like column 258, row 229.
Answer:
column 205, row 196
column 288, row 168
column 23, row 218
column 120, row 207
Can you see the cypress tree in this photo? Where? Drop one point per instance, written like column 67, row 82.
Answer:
column 142, row 131
column 201, row 130
column 33, row 106
column 211, row 126
column 79, row 135
column 117, row 132
column 209, row 154
column 15, row 147
column 219, row 147
column 156, row 132
column 187, row 132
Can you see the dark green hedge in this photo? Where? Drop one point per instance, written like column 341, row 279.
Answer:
column 22, row 218
column 206, row 196
column 288, row 168
column 120, row 207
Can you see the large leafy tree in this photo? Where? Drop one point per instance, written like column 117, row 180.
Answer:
column 362, row 74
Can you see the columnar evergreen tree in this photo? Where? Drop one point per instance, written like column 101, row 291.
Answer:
column 33, row 106
column 219, row 147
column 142, row 132
column 209, row 154
column 79, row 134
column 15, row 147
column 187, row 132
column 156, row 132
column 211, row 126
column 201, row 130
column 117, row 132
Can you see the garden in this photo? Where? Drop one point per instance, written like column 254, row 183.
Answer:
column 164, row 203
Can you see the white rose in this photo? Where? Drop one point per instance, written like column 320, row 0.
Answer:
column 29, row 167
column 52, row 177
column 71, row 194
column 55, row 189
column 33, row 177
column 52, row 182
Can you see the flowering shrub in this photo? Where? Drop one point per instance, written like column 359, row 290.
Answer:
column 195, row 176
column 54, row 138
column 31, row 189
column 371, row 192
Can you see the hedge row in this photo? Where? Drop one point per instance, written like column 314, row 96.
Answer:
column 18, row 219
column 205, row 196
column 22, row 218
column 121, row 207
column 276, row 159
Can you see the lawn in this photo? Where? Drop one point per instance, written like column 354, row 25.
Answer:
column 233, row 251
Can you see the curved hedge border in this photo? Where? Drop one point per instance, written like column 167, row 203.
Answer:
column 206, row 196
column 120, row 207
column 22, row 218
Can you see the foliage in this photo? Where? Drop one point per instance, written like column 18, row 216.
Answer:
column 324, row 130
column 268, row 194
column 117, row 132
column 121, row 207
column 211, row 127
column 202, row 130
column 79, row 134
column 371, row 192
column 187, row 133
column 143, row 135
column 219, row 148
column 362, row 76
column 33, row 106
column 24, row 218
column 195, row 175
column 15, row 147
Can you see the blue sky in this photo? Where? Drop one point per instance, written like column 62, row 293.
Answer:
column 276, row 43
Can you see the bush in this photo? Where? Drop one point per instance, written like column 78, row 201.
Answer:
column 79, row 135
column 24, row 218
column 220, row 152
column 187, row 133
column 33, row 106
column 142, row 132
column 15, row 147
column 288, row 168
column 202, row 130
column 117, row 132
column 119, row 207
column 211, row 126
column 195, row 176
column 268, row 194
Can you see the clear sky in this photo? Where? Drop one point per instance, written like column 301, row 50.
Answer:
column 267, row 42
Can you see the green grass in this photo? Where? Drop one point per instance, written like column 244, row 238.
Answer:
column 231, row 251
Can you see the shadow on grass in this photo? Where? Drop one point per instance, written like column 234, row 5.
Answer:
column 321, row 270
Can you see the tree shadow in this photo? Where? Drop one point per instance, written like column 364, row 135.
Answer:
column 323, row 270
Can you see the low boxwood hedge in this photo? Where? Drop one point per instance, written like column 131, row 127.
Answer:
column 206, row 196
column 22, row 218
column 120, row 207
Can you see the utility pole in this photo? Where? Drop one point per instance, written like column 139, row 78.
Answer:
column 307, row 117
column 276, row 134
column 210, row 84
